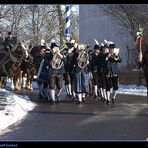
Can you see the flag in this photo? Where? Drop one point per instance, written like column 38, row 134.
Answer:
column 140, row 39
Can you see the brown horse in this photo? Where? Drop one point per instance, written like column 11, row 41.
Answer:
column 29, row 68
column 10, row 61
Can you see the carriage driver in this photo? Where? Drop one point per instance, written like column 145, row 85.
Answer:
column 10, row 41
column 1, row 39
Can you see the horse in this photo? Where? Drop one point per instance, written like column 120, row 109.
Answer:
column 29, row 68
column 10, row 62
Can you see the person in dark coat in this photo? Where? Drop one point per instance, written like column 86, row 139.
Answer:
column 10, row 41
column 68, row 71
column 38, row 57
column 94, row 68
column 102, row 69
column 112, row 77
column 90, row 71
column 1, row 39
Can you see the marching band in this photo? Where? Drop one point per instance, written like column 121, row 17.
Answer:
column 72, row 63
column 79, row 65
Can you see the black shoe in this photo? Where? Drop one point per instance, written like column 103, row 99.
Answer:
column 83, row 100
column 95, row 97
column 73, row 99
column 58, row 99
column 79, row 102
column 51, row 102
column 102, row 100
column 108, row 102
column 70, row 96
column 114, row 101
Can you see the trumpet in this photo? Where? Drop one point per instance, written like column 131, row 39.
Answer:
column 116, row 57
column 66, row 45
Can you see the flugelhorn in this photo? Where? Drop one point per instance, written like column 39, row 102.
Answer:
column 83, row 55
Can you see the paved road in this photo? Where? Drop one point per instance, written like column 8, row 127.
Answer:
column 127, row 120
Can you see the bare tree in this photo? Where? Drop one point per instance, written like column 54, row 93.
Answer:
column 34, row 22
column 75, row 27
column 39, row 19
column 128, row 16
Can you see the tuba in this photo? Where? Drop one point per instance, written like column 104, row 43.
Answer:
column 83, row 56
column 57, row 62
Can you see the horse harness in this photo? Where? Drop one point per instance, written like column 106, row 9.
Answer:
column 9, row 57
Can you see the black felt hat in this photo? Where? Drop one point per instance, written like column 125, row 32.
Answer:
column 9, row 33
column 112, row 46
column 96, row 47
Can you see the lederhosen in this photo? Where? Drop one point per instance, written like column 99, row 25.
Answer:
column 113, row 71
column 56, row 75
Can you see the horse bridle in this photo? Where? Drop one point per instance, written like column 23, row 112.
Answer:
column 11, row 57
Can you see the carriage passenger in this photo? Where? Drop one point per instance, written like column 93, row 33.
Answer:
column 10, row 41
column 1, row 39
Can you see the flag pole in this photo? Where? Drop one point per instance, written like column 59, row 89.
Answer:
column 68, row 23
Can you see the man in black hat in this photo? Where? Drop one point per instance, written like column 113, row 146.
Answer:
column 112, row 77
column 55, row 73
column 10, row 41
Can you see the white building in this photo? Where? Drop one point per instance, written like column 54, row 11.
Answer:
column 95, row 24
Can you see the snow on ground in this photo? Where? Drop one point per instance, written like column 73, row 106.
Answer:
column 13, row 108
column 16, row 107
column 132, row 90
